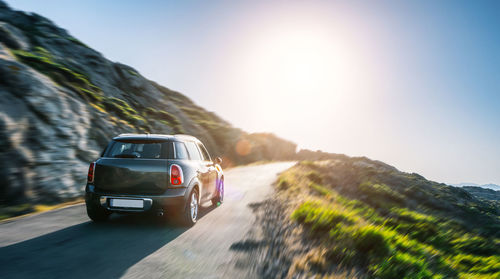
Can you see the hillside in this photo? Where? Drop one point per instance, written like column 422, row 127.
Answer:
column 486, row 186
column 482, row 193
column 347, row 217
column 62, row 102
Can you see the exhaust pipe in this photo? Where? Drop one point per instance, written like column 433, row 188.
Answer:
column 159, row 213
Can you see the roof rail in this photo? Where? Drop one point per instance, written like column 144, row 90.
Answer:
column 185, row 136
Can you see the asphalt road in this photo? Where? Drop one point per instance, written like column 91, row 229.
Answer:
column 64, row 244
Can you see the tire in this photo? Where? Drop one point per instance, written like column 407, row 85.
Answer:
column 97, row 213
column 191, row 209
column 219, row 198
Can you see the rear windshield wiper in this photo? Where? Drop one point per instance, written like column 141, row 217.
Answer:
column 125, row 156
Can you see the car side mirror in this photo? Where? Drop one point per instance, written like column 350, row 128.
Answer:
column 218, row 160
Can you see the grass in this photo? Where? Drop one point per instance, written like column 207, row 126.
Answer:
column 124, row 110
column 370, row 227
column 403, row 265
column 165, row 118
column 134, row 73
column 44, row 62
column 320, row 218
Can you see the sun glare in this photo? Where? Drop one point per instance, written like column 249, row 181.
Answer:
column 296, row 62
column 302, row 68
column 303, row 63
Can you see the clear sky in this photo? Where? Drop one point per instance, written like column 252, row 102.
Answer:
column 414, row 84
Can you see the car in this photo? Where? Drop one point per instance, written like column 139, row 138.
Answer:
column 169, row 175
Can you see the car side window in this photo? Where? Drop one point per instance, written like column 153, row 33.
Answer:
column 204, row 152
column 180, row 151
column 193, row 151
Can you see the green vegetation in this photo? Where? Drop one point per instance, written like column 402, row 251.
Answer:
column 283, row 183
column 320, row 218
column 76, row 41
column 134, row 73
column 371, row 223
column 165, row 118
column 124, row 110
column 10, row 211
column 43, row 61
column 15, row 210
column 402, row 265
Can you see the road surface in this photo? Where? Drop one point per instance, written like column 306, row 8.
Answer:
column 64, row 244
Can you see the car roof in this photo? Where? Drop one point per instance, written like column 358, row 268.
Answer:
column 154, row 137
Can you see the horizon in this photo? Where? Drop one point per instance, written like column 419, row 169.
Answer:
column 398, row 82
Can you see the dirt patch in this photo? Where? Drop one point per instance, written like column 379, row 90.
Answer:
column 277, row 247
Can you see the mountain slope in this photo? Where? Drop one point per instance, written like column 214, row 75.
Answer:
column 63, row 101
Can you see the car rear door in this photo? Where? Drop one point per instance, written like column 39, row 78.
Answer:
column 203, row 171
column 208, row 163
column 133, row 167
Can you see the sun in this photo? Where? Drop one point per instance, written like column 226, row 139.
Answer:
column 298, row 62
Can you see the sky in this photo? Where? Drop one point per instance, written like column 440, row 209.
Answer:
column 415, row 84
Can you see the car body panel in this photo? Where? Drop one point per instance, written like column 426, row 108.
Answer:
column 131, row 176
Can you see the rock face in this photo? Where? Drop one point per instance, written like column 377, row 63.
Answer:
column 61, row 102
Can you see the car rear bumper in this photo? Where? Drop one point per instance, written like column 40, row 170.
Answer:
column 171, row 200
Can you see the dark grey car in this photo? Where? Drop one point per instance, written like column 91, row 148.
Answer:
column 163, row 174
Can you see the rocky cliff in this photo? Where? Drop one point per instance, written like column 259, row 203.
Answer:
column 61, row 102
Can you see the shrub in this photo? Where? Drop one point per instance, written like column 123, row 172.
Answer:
column 320, row 189
column 410, row 216
column 381, row 193
column 371, row 240
column 315, row 177
column 401, row 265
column 476, row 264
column 475, row 245
column 319, row 217
column 283, row 183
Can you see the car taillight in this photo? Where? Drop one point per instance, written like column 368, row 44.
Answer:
column 90, row 176
column 176, row 176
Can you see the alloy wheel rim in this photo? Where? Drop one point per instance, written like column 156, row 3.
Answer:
column 194, row 207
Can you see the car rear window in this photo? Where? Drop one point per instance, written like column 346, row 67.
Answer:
column 140, row 149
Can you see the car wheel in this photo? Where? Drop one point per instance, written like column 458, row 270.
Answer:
column 96, row 212
column 191, row 210
column 219, row 198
